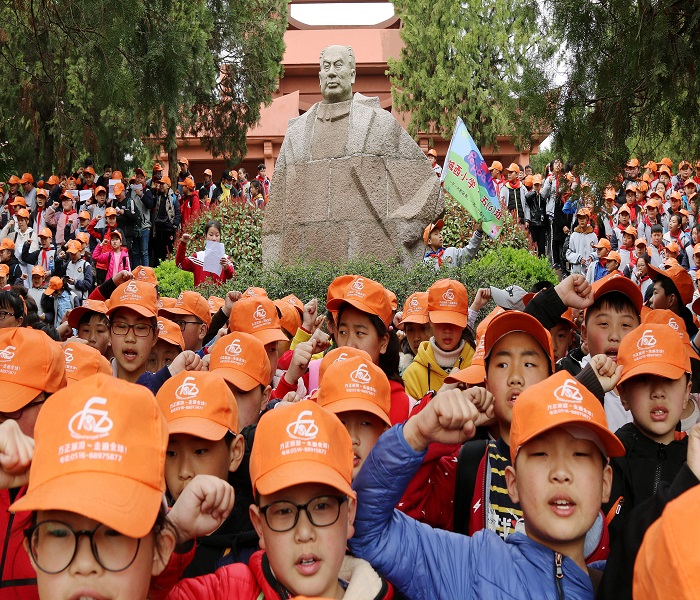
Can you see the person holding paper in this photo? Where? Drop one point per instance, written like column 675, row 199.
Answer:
column 195, row 263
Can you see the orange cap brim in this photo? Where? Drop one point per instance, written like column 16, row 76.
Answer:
column 420, row 319
column 336, row 304
column 77, row 313
column 241, row 380
column 663, row 369
column 298, row 472
column 198, row 427
column 518, row 322
column 137, row 308
column 267, row 336
column 448, row 316
column 472, row 375
column 15, row 396
column 132, row 510
column 349, row 404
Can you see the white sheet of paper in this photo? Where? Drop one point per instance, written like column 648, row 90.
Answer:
column 213, row 253
column 112, row 183
column 136, row 186
column 85, row 195
column 74, row 193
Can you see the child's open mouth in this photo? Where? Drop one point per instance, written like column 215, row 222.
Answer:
column 659, row 413
column 308, row 564
column 513, row 397
column 562, row 506
column 130, row 354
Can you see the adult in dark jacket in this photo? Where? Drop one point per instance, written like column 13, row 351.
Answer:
column 166, row 221
column 537, row 224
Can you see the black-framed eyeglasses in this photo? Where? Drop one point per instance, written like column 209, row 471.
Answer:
column 54, row 544
column 4, row 314
column 16, row 414
column 121, row 328
column 182, row 324
column 321, row 511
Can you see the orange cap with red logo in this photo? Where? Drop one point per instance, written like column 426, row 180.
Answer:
column 82, row 361
column 240, row 358
column 448, row 302
column 190, row 303
column 415, row 309
column 138, row 296
column 88, row 306
column 30, row 363
column 561, row 401
column 653, row 349
column 257, row 315
column 301, row 443
column 356, row 384
column 170, row 332
column 100, row 453
column 363, row 293
column 198, row 403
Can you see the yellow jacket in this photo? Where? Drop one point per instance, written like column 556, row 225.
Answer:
column 424, row 374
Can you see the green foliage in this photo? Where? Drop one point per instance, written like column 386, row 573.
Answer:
column 464, row 59
column 459, row 226
column 172, row 280
column 241, row 227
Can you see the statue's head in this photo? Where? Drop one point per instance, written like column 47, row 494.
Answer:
column 337, row 73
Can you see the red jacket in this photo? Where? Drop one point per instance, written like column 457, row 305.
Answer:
column 189, row 209
column 240, row 582
column 18, row 576
column 195, row 264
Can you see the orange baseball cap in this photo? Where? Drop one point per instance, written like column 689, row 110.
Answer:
column 561, row 401
column 117, row 175
column 632, row 162
column 111, row 212
column 642, row 186
column 653, row 349
column 617, row 282
column 53, row 180
column 474, row 374
column 640, row 242
column 100, row 190
column 439, row 224
column 614, row 256
column 511, row 321
column 301, row 443
column 668, row 317
column 631, row 187
column 415, row 309
column 88, row 305
column 363, row 293
column 55, row 284
column 667, row 564
column 630, row 230
column 198, row 403
column 164, row 303
column 257, row 315
column 602, row 243
column 624, row 209
column 170, row 332
column 74, row 247
column 496, row 165
column 43, row 192
column 690, row 181
column 27, row 178
column 13, row 180
column 188, row 182
column 82, row 361
column 255, row 291
column 677, row 195
column 4, row 270
column 166, row 180
column 89, row 170
column 583, row 211
column 432, row 152
column 663, row 168
column 22, row 212
column 157, row 166
column 84, row 215
column 240, row 358
column 609, row 194
column 7, row 244
column 29, row 364
column 448, row 302
column 118, row 188
column 190, row 303
column 138, row 296
column 215, row 303
column 667, row 161
column 536, row 179
column 356, row 384
column 568, row 316
column 208, row 172
column 651, row 165
column 513, row 168
column 680, row 278
column 183, row 160
column 339, row 355
column 38, row 270
column 100, row 452
column 672, row 247
column 290, row 317
column 529, row 180
column 83, row 237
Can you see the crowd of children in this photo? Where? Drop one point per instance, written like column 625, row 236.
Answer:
column 254, row 447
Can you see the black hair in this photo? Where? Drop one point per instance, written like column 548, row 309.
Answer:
column 676, row 216
column 615, row 301
column 106, row 166
column 389, row 361
column 85, row 318
column 261, row 166
column 541, row 285
column 12, row 301
column 658, row 228
column 645, row 257
column 89, row 162
column 212, row 223
column 257, row 185
column 48, row 329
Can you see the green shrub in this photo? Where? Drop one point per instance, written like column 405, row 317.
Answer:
column 172, row 280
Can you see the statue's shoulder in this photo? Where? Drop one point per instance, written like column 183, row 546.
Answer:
column 300, row 121
column 368, row 101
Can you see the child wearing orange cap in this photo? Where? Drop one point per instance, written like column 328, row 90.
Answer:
column 8, row 258
column 19, row 232
column 559, row 475
column 191, row 313
column 448, row 348
column 169, row 345
column 438, row 255
column 301, row 471
column 90, row 323
column 204, row 439
column 580, row 252
column 57, row 301
column 195, row 263
column 656, row 245
column 676, row 234
column 98, row 466
column 44, row 255
column 596, row 270
column 71, row 264
column 416, row 327
column 512, row 193
column 166, row 220
column 612, row 262
column 358, row 392
column 38, row 285
column 673, row 290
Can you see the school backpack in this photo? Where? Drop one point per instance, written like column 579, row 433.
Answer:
column 468, row 461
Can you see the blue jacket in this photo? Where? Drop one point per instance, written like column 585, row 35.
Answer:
column 423, row 562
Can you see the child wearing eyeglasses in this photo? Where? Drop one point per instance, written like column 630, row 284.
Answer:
column 301, row 470
column 97, row 473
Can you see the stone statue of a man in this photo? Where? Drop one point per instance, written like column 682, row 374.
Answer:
column 349, row 180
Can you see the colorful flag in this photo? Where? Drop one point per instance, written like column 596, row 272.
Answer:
column 466, row 178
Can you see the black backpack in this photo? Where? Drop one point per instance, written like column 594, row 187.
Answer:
column 468, row 460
